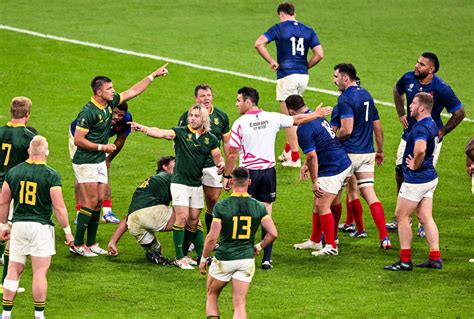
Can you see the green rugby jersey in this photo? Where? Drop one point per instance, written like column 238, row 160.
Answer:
column 191, row 152
column 30, row 183
column 95, row 119
column 219, row 127
column 15, row 139
column 240, row 216
column 155, row 190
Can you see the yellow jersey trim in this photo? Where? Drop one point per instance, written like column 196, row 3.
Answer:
column 98, row 105
column 15, row 124
column 227, row 134
column 192, row 130
column 35, row 162
column 212, row 110
column 55, row 187
column 265, row 217
column 236, row 194
column 82, row 129
column 215, row 219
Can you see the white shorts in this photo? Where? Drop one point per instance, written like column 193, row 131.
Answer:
column 362, row 163
column 225, row 270
column 291, row 84
column 91, row 173
column 143, row 223
column 211, row 178
column 188, row 196
column 31, row 239
column 333, row 184
column 401, row 150
column 72, row 146
column 416, row 192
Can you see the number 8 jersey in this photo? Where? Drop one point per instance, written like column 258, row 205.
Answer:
column 30, row 183
column 240, row 217
column 293, row 40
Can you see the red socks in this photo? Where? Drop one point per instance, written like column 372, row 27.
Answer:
column 287, row 147
column 378, row 215
column 327, row 222
column 78, row 207
column 349, row 216
column 336, row 213
column 435, row 255
column 107, row 203
column 357, row 210
column 316, row 231
column 405, row 255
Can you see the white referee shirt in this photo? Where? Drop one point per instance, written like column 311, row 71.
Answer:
column 254, row 134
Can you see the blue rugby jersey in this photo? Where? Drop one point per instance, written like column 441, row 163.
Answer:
column 443, row 97
column 318, row 136
column 293, row 40
column 425, row 130
column 356, row 102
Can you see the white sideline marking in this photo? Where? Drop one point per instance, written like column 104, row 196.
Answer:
column 189, row 64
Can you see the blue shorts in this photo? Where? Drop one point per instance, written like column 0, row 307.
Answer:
column 263, row 186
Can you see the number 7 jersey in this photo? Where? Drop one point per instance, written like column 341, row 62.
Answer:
column 240, row 216
column 15, row 139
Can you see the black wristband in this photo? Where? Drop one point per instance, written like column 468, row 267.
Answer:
column 226, row 176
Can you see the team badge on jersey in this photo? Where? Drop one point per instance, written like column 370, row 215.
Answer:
column 190, row 137
column 206, row 140
column 216, row 121
column 410, row 87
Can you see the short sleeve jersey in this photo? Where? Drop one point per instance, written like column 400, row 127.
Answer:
column 121, row 127
column 254, row 133
column 219, row 127
column 335, row 117
column 443, row 97
column 293, row 40
column 30, row 183
column 15, row 139
column 192, row 150
column 357, row 103
column 240, row 216
column 155, row 190
column 426, row 130
column 317, row 136
column 95, row 119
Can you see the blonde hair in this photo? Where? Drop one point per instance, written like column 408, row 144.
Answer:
column 206, row 122
column 20, row 107
column 38, row 146
column 425, row 99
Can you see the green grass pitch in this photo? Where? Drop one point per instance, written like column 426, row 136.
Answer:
column 382, row 39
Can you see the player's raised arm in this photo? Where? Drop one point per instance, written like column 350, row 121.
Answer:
column 141, row 86
column 308, row 117
column 152, row 131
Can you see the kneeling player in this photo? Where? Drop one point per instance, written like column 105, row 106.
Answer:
column 236, row 220
column 149, row 212
column 416, row 192
column 328, row 165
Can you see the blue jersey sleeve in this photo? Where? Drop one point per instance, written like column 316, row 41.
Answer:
column 345, row 108
column 305, row 138
column 420, row 133
column 314, row 40
column 335, row 120
column 450, row 100
column 271, row 33
column 401, row 85
column 376, row 114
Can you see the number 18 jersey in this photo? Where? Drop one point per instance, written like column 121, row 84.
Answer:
column 240, row 215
